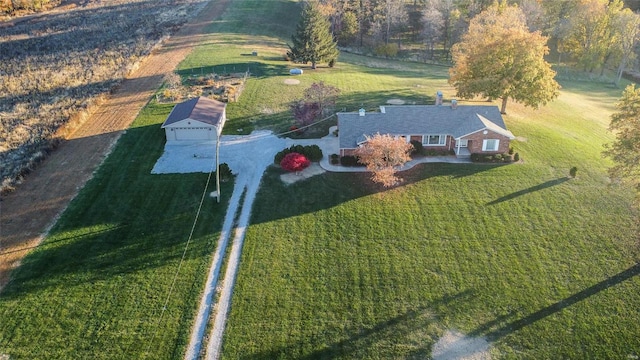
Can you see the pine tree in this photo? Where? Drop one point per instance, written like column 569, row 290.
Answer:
column 313, row 42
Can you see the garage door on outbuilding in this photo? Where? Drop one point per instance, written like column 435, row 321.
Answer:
column 198, row 119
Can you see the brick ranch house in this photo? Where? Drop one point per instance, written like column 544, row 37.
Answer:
column 466, row 129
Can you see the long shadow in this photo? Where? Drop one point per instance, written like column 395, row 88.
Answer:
column 332, row 189
column 539, row 187
column 351, row 346
column 556, row 307
column 124, row 220
column 258, row 69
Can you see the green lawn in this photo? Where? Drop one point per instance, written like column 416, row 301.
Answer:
column 96, row 287
column 542, row 265
column 335, row 269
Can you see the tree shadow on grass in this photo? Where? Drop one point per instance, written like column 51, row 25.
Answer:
column 542, row 186
column 417, row 328
column 256, row 69
column 124, row 220
column 541, row 314
column 277, row 200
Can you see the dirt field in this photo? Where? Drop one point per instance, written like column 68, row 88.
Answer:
column 27, row 213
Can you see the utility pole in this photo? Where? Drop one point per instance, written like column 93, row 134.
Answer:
column 218, row 167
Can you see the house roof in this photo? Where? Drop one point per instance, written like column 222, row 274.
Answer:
column 202, row 109
column 420, row 119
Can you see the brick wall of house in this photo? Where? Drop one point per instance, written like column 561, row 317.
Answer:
column 475, row 142
column 347, row 152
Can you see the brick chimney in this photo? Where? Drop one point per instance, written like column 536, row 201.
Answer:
column 454, row 104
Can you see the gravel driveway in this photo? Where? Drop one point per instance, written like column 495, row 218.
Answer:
column 248, row 157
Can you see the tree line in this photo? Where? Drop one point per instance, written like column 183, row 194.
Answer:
column 592, row 34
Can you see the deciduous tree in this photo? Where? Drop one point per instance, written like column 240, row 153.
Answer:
column 500, row 58
column 625, row 150
column 304, row 112
column 313, row 41
column 319, row 100
column 627, row 28
column 322, row 94
column 382, row 154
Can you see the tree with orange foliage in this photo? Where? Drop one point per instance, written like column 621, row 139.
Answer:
column 382, row 154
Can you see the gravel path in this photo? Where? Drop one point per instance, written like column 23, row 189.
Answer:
column 454, row 345
column 239, row 152
column 248, row 166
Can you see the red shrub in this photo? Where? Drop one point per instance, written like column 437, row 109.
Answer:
column 295, row 162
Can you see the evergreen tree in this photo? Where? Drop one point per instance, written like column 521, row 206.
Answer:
column 313, row 42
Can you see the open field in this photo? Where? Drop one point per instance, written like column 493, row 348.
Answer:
column 56, row 67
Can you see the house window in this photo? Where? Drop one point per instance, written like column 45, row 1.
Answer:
column 490, row 144
column 434, row 140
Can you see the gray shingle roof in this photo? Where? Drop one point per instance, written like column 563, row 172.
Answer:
column 201, row 109
column 420, row 120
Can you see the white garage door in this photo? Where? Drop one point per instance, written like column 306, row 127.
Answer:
column 194, row 133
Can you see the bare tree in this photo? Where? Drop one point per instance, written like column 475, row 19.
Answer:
column 432, row 30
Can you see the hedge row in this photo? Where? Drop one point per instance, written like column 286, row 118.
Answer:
column 419, row 149
column 311, row 152
column 495, row 158
column 349, row 160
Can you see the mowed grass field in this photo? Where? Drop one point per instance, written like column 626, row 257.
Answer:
column 333, row 267
column 98, row 285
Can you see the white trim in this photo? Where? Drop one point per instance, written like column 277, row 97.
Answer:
column 463, row 143
column 485, row 142
column 471, row 133
column 442, row 140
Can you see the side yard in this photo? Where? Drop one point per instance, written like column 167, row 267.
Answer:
column 101, row 286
